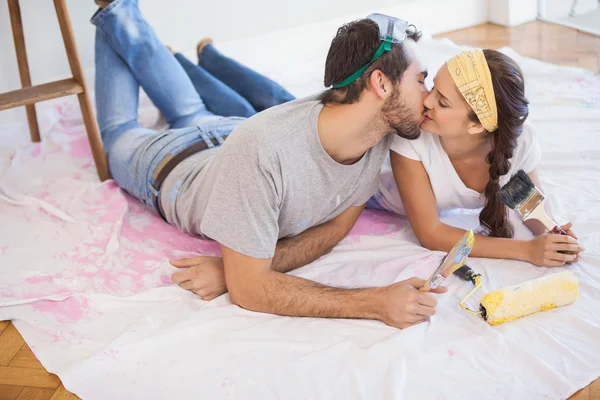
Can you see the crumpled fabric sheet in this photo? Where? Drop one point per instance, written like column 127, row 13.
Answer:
column 84, row 274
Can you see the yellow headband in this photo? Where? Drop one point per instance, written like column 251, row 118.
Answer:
column 473, row 79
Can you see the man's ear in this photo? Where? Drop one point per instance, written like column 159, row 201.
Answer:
column 380, row 85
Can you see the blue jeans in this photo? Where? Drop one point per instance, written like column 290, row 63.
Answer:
column 129, row 55
column 229, row 88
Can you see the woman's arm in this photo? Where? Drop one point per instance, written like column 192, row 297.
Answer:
column 420, row 205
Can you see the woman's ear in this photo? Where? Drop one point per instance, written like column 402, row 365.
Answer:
column 475, row 128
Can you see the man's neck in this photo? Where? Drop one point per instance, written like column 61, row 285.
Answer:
column 347, row 131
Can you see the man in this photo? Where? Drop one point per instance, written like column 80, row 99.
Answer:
column 299, row 173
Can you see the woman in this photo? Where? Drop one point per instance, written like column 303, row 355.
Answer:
column 474, row 139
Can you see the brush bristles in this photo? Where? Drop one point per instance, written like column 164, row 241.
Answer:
column 517, row 190
column 463, row 250
column 470, row 239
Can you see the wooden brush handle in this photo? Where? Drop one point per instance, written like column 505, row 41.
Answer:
column 539, row 213
column 557, row 230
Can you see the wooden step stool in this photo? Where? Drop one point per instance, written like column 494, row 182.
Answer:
column 30, row 95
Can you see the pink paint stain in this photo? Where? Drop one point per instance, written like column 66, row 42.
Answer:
column 66, row 311
column 42, row 294
column 168, row 237
column 374, row 222
column 144, row 242
column 39, row 279
column 80, row 147
column 111, row 353
column 451, row 353
column 107, row 202
column 7, row 293
column 37, row 149
column 426, row 264
column 110, row 280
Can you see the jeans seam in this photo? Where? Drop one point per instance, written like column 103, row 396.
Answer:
column 104, row 13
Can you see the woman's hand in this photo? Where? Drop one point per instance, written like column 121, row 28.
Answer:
column 567, row 228
column 550, row 250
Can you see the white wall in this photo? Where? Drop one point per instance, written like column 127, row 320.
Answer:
column 513, row 12
column 553, row 9
column 182, row 22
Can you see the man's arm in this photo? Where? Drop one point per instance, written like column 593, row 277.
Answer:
column 204, row 275
column 302, row 249
column 255, row 286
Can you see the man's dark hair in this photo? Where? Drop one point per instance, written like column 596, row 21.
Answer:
column 351, row 49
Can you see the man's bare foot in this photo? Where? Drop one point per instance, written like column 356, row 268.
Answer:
column 201, row 44
column 202, row 275
column 103, row 3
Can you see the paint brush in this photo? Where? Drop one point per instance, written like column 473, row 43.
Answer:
column 453, row 261
column 521, row 195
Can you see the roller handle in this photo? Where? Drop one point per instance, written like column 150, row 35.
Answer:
column 466, row 274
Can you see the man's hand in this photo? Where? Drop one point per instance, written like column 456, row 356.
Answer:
column 406, row 306
column 253, row 285
column 202, row 275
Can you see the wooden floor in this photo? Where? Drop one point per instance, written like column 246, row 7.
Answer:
column 22, row 377
column 545, row 41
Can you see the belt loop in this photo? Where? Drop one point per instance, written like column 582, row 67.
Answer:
column 206, row 139
column 217, row 135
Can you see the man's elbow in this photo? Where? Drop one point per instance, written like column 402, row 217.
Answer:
column 236, row 298
column 243, row 295
column 239, row 298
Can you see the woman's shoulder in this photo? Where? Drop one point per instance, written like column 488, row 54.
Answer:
column 412, row 148
column 527, row 140
column 529, row 134
column 528, row 154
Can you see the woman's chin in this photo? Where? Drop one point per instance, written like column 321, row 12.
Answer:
column 427, row 126
column 431, row 128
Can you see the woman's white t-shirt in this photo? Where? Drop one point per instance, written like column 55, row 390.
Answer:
column 449, row 190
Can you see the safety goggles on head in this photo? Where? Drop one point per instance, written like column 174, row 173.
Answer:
column 391, row 30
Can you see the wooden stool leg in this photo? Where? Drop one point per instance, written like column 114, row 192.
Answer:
column 84, row 101
column 17, row 28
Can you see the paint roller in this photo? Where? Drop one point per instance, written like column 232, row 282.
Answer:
column 510, row 303
column 545, row 293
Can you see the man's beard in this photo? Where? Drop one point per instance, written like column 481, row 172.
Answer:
column 400, row 117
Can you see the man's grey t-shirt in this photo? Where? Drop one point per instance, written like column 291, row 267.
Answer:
column 271, row 179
